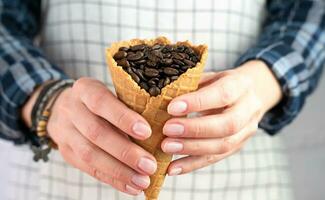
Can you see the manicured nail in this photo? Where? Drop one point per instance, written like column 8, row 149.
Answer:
column 132, row 190
column 177, row 107
column 141, row 181
column 147, row 165
column 175, row 171
column 172, row 147
column 141, row 129
column 173, row 129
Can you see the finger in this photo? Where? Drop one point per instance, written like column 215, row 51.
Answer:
column 105, row 163
column 70, row 156
column 207, row 77
column 108, row 138
column 102, row 102
column 219, row 94
column 206, row 146
column 191, row 163
column 229, row 122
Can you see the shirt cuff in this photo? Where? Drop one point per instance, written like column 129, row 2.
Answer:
column 17, row 88
column 281, row 59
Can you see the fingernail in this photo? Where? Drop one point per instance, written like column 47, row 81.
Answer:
column 141, row 181
column 173, row 129
column 147, row 165
column 175, row 171
column 132, row 190
column 172, row 147
column 141, row 129
column 177, row 107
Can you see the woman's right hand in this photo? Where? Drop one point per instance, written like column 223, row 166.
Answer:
column 91, row 128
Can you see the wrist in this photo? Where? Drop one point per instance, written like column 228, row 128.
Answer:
column 28, row 106
column 265, row 84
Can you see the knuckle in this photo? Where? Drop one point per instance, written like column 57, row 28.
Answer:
column 227, row 92
column 210, row 159
column 86, row 153
column 234, row 123
column 197, row 130
column 80, row 83
column 96, row 99
column 198, row 101
column 122, row 119
column 94, row 130
column 127, row 152
column 117, row 172
column 226, row 145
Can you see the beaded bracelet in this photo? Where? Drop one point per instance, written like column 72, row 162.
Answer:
column 42, row 144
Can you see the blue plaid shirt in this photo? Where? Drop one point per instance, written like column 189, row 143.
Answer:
column 291, row 44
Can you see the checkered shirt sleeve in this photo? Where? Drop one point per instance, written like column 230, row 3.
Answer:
column 22, row 65
column 292, row 44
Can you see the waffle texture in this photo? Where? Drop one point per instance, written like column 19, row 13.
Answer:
column 154, row 109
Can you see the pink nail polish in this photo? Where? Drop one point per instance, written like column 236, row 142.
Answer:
column 173, row 129
column 172, row 147
column 141, row 180
column 147, row 165
column 132, row 190
column 177, row 107
column 175, row 171
column 141, row 129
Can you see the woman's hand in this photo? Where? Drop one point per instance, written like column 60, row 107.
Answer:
column 91, row 127
column 229, row 104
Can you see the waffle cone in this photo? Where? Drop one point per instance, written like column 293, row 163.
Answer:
column 154, row 109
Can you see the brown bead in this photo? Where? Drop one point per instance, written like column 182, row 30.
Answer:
column 41, row 133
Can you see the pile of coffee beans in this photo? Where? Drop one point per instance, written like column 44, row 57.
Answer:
column 154, row 67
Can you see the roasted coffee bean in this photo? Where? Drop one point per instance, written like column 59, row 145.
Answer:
column 170, row 71
column 138, row 47
column 123, row 49
column 161, row 83
column 128, row 70
column 133, row 57
column 185, row 67
column 151, row 63
column 189, row 51
column 139, row 72
column 152, row 83
column 180, row 48
column 150, row 72
column 167, row 81
column 120, row 55
column 133, row 65
column 167, row 61
column 178, row 56
column 173, row 78
column 123, row 63
column 175, row 66
column 135, row 77
column 156, row 47
column 167, row 55
column 194, row 59
column 154, row 91
column 144, row 86
column 178, row 62
column 157, row 54
column 139, row 62
column 188, row 62
column 152, row 57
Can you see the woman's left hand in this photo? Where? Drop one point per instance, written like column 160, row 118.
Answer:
column 229, row 106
